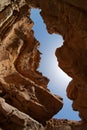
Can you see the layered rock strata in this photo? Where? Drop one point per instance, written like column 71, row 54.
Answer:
column 23, row 90
column 25, row 101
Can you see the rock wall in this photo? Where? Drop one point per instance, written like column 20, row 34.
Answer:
column 22, row 87
column 70, row 21
column 25, row 101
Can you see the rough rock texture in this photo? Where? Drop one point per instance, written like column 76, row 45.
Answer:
column 69, row 18
column 22, row 87
column 15, row 118
column 25, row 101
column 64, row 124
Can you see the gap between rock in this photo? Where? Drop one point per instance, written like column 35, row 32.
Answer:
column 48, row 65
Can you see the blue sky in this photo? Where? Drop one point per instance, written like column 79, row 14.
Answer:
column 49, row 65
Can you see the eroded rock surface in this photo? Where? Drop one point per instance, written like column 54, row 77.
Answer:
column 69, row 18
column 25, row 101
column 64, row 124
column 23, row 90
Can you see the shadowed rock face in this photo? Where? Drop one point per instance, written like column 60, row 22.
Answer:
column 25, row 101
column 69, row 18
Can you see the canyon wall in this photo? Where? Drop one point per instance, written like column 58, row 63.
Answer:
column 25, row 101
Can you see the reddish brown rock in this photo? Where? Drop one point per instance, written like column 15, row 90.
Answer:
column 19, row 77
column 69, row 18
column 21, row 85
column 24, row 96
column 78, row 4
column 17, row 117
column 79, row 96
column 64, row 124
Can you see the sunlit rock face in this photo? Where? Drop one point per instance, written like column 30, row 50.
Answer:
column 25, row 101
column 24, row 96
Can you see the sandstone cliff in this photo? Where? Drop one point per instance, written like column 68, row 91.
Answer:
column 25, row 101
